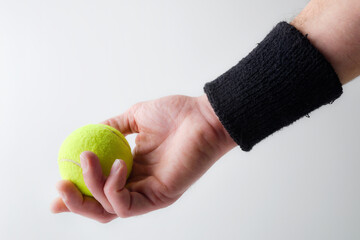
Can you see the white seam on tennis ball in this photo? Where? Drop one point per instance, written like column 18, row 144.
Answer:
column 69, row 160
column 127, row 144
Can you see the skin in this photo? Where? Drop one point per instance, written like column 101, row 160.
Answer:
column 333, row 27
column 180, row 138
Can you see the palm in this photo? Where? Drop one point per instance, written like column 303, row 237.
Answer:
column 169, row 151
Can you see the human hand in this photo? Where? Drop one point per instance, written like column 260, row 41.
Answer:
column 179, row 139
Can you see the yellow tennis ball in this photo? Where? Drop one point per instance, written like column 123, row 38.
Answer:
column 106, row 142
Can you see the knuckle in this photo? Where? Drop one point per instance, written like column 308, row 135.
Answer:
column 108, row 190
column 74, row 207
column 138, row 139
column 134, row 107
column 75, row 210
column 113, row 123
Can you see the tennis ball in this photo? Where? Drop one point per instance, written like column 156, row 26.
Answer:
column 106, row 142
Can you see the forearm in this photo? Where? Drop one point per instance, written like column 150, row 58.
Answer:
column 293, row 71
column 333, row 27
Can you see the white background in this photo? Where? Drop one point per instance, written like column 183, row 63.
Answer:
column 64, row 64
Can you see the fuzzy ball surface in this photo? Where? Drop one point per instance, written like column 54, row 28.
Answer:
column 106, row 142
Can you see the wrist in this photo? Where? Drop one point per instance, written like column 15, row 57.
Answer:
column 207, row 111
column 333, row 28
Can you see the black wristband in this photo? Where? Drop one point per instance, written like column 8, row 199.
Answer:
column 283, row 79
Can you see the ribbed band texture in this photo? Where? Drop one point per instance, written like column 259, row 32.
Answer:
column 283, row 79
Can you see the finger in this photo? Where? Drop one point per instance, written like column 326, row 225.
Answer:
column 125, row 122
column 94, row 178
column 124, row 202
column 145, row 143
column 82, row 205
column 58, row 206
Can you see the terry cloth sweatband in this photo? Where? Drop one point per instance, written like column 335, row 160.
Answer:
column 283, row 79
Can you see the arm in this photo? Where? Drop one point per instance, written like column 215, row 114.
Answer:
column 180, row 138
column 333, row 27
column 293, row 71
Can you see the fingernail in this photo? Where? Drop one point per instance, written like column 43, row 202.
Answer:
column 84, row 163
column 116, row 165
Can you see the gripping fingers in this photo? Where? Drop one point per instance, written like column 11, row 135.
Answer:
column 124, row 202
column 82, row 205
column 114, row 185
column 94, row 178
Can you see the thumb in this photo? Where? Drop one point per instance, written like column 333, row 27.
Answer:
column 125, row 122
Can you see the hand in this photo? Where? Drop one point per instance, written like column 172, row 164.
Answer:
column 179, row 139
